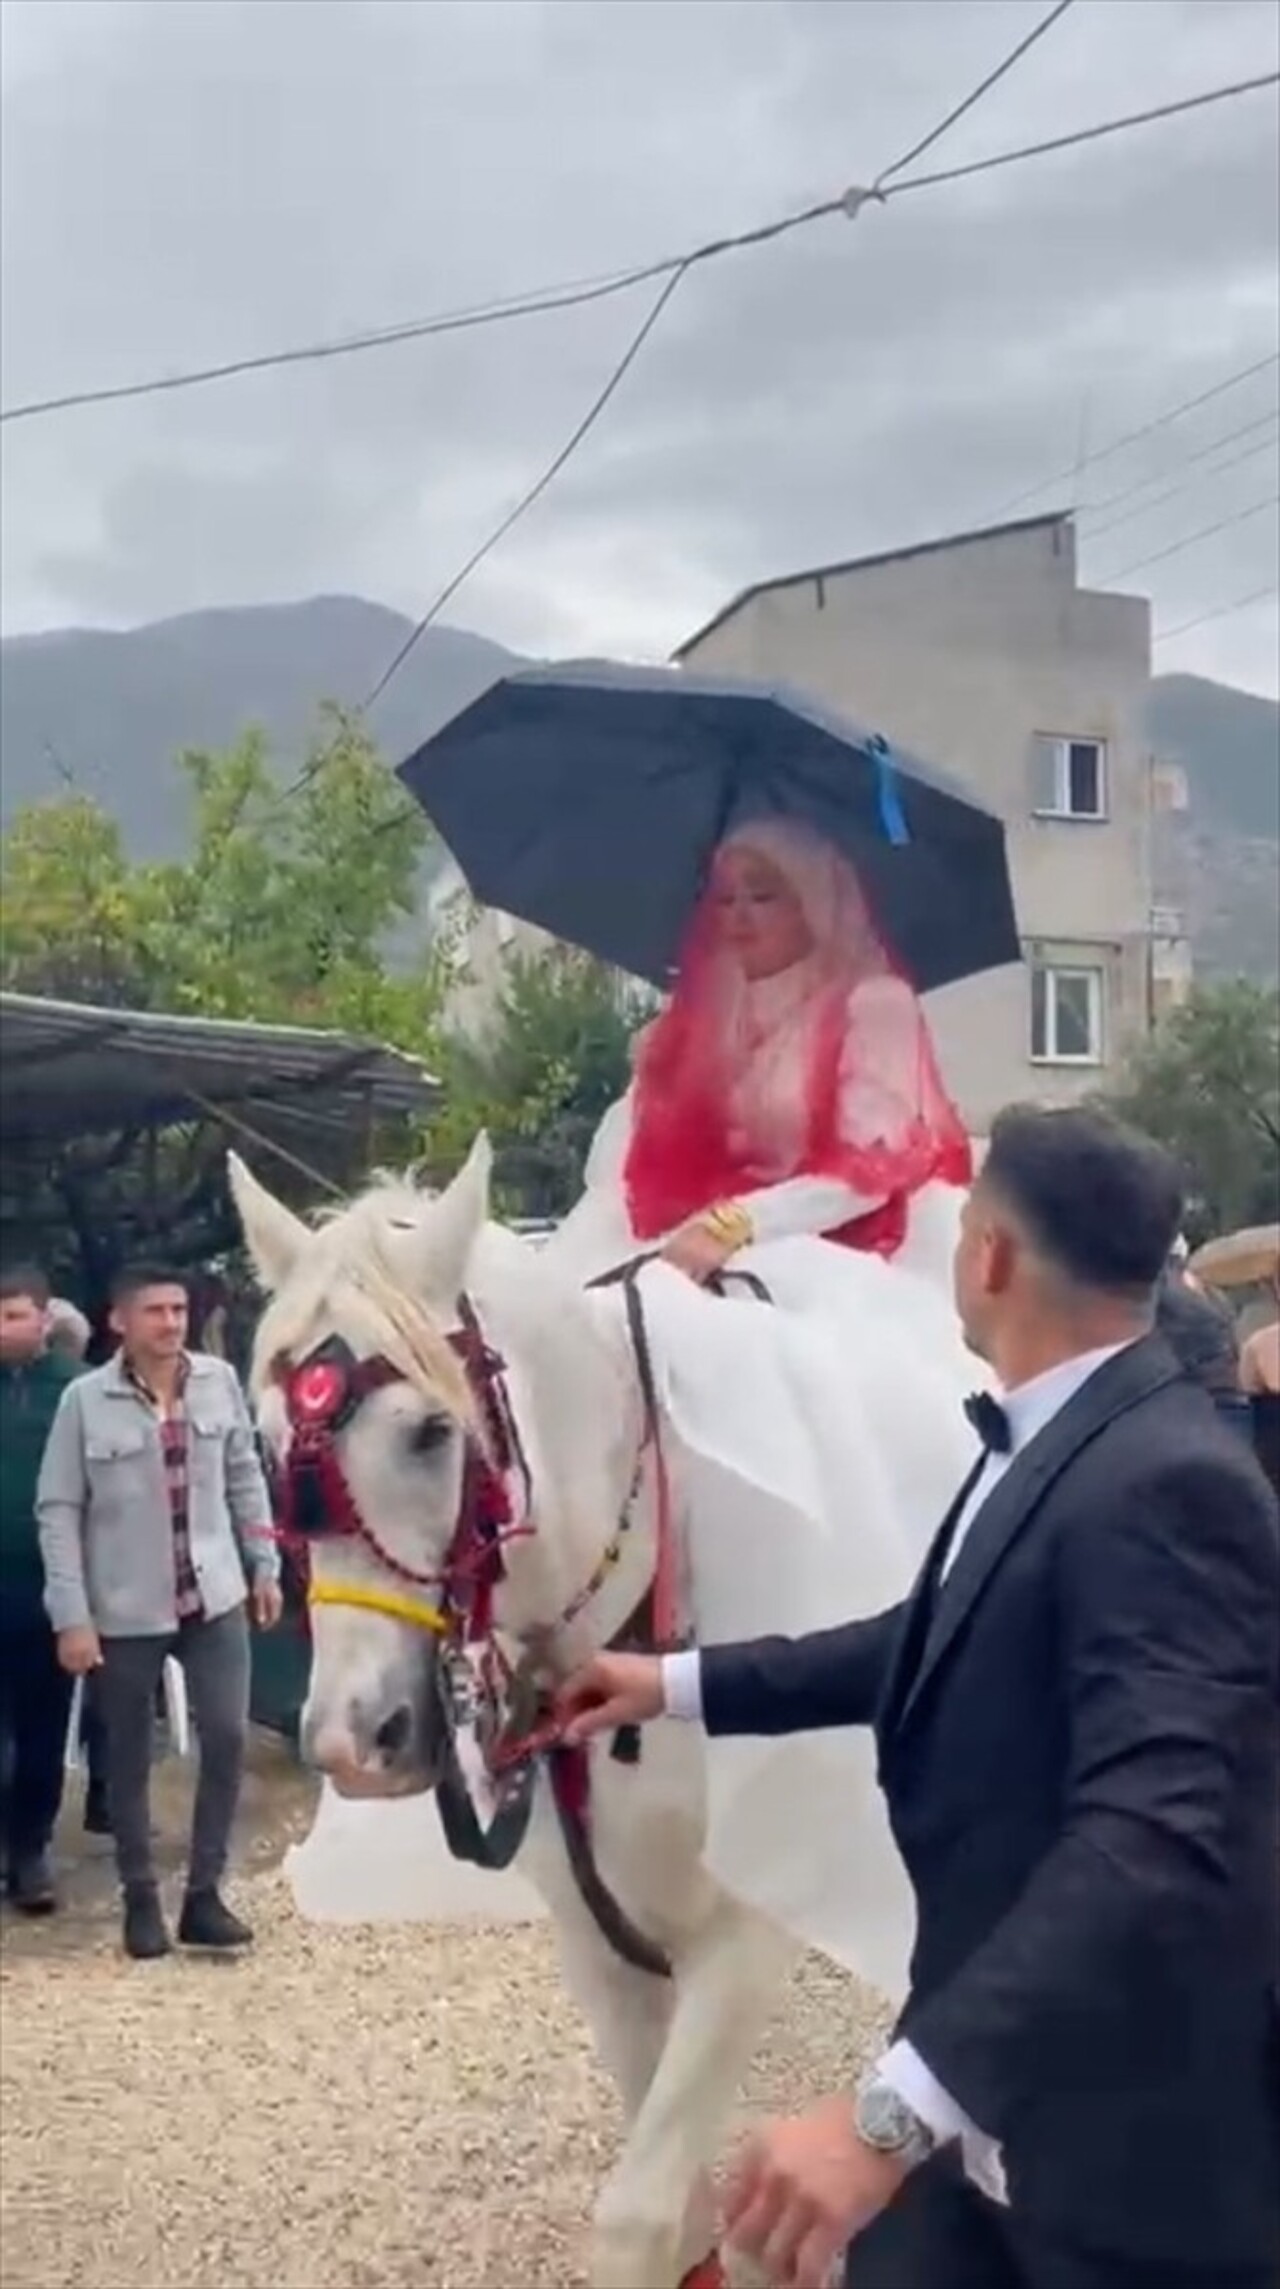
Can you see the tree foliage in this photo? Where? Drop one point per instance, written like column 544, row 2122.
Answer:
column 555, row 1057
column 1207, row 1084
column 286, row 909
column 280, row 912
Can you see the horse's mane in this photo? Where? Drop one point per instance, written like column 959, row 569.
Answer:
column 349, row 1278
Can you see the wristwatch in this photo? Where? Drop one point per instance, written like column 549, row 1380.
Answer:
column 886, row 2124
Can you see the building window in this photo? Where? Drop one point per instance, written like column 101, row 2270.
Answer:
column 1066, row 1015
column 1070, row 779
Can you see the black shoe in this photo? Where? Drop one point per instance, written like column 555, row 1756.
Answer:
column 207, row 1921
column 97, row 1819
column 31, row 1885
column 145, row 1936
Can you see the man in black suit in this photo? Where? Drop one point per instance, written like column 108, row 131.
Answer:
column 1077, row 1711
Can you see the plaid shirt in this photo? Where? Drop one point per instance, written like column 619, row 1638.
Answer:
column 174, row 1435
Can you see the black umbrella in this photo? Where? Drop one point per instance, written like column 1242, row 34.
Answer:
column 590, row 801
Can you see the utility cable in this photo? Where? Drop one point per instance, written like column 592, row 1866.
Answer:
column 1160, row 421
column 1188, row 461
column 984, row 87
column 538, row 302
column 1173, row 492
column 1192, row 540
column 1218, row 612
column 584, row 427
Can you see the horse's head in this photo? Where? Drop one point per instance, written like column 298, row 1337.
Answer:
column 373, row 1422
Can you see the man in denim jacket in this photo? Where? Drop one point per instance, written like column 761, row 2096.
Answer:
column 151, row 1505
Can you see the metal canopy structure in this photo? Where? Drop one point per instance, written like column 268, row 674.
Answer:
column 68, row 1070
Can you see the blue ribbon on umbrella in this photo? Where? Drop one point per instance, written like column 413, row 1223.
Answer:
column 893, row 818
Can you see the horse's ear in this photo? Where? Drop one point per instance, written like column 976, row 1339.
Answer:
column 273, row 1235
column 451, row 1223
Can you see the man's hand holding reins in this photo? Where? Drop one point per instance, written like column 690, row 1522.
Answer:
column 610, row 1690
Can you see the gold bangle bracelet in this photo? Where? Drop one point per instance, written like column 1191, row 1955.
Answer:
column 729, row 1223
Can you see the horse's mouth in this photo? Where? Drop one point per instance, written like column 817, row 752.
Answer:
column 379, row 1787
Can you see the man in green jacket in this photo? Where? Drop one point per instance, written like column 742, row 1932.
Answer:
column 35, row 1692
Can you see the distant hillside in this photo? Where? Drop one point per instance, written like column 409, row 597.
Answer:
column 1229, row 743
column 108, row 712
column 1219, row 862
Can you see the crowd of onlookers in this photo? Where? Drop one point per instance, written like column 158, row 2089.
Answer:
column 135, row 1524
column 1243, row 1379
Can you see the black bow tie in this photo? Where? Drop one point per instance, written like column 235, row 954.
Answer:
column 990, row 1422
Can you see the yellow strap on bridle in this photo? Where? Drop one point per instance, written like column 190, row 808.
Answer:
column 396, row 1605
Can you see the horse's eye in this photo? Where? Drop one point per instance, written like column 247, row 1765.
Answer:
column 431, row 1434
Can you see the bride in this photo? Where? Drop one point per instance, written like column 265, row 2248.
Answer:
column 787, row 1119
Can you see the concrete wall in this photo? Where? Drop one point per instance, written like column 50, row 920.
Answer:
column 965, row 653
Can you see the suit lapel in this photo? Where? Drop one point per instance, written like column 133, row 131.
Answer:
column 1116, row 1387
column 914, row 1627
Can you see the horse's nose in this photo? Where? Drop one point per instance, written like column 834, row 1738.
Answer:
column 395, row 1732
column 361, row 1742
column 329, row 1744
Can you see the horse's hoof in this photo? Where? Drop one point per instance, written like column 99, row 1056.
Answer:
column 710, row 2274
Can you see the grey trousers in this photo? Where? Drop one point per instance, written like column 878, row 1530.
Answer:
column 215, row 1660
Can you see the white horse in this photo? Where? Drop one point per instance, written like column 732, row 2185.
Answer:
column 505, row 1439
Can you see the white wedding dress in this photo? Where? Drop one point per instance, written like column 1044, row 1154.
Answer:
column 821, row 1439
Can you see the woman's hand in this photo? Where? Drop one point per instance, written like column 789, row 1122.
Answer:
column 698, row 1251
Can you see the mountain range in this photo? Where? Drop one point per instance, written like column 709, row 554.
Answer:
column 105, row 712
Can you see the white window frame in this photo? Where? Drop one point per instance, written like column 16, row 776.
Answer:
column 1056, row 747
column 1052, row 972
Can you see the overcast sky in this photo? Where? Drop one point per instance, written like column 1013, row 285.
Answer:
column 186, row 180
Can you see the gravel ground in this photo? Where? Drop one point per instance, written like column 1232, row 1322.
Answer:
column 405, row 2109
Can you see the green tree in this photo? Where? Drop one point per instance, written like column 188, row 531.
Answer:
column 70, row 923
column 1207, row 1085
column 553, row 1059
column 280, row 912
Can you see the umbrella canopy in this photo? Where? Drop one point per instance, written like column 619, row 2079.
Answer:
column 590, row 801
column 1240, row 1259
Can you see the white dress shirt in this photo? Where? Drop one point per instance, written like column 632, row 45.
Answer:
column 1030, row 1408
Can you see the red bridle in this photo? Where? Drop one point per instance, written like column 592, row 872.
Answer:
column 322, row 1394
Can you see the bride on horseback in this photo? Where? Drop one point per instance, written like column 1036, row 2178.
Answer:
column 788, row 1137
column 790, row 1086
column 433, row 1388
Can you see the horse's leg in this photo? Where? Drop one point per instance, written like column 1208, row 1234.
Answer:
column 654, row 2220
column 629, row 2014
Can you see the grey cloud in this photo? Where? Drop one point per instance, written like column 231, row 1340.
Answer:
column 212, row 176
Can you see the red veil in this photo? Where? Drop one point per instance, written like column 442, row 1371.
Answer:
column 740, row 1086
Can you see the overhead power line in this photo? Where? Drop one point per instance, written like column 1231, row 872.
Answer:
column 1188, row 461
column 1159, row 421
column 849, row 205
column 539, row 302
column 976, row 94
column 1080, row 135
column 1173, row 492
column 1218, row 612
column 1192, row 540
column 535, row 491
column 582, row 430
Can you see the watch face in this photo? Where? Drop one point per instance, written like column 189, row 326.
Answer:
column 884, row 2119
